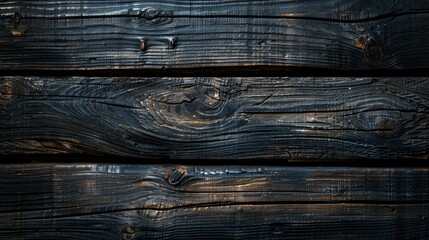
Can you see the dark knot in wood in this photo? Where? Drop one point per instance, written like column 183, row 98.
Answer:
column 5, row 92
column 176, row 176
column 172, row 43
column 197, row 104
column 129, row 229
column 155, row 16
column 278, row 228
column 373, row 45
column 374, row 49
column 143, row 45
column 127, row 232
column 385, row 126
column 17, row 28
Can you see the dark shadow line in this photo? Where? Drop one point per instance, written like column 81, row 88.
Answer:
column 243, row 71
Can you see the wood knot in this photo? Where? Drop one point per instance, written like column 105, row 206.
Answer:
column 143, row 45
column 172, row 43
column 278, row 228
column 129, row 229
column 374, row 50
column 176, row 176
column 196, row 104
column 5, row 92
column 128, row 232
column 17, row 29
column 372, row 45
column 213, row 96
column 384, row 126
column 384, row 123
column 156, row 16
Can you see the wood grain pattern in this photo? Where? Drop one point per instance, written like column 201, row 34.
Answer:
column 341, row 10
column 99, row 35
column 194, row 202
column 294, row 119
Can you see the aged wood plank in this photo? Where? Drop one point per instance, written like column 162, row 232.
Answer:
column 342, row 10
column 192, row 202
column 294, row 119
column 159, row 40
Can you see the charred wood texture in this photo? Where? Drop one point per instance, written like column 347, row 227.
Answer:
column 189, row 118
column 97, row 35
column 223, row 202
column 213, row 82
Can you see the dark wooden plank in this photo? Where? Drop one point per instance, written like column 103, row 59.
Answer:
column 164, row 41
column 295, row 119
column 342, row 10
column 194, row 202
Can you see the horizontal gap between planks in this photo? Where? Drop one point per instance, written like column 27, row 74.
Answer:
column 246, row 71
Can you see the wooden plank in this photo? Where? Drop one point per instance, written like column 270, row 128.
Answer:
column 342, row 10
column 159, row 39
column 294, row 119
column 194, row 202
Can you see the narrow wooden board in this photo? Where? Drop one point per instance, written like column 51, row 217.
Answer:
column 194, row 202
column 333, row 10
column 81, row 36
column 294, row 119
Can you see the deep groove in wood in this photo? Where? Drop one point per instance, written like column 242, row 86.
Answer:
column 256, row 71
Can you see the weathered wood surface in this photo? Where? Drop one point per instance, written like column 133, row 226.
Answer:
column 294, row 119
column 97, row 35
column 333, row 10
column 223, row 202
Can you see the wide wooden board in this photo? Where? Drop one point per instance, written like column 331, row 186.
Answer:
column 293, row 119
column 214, row 202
